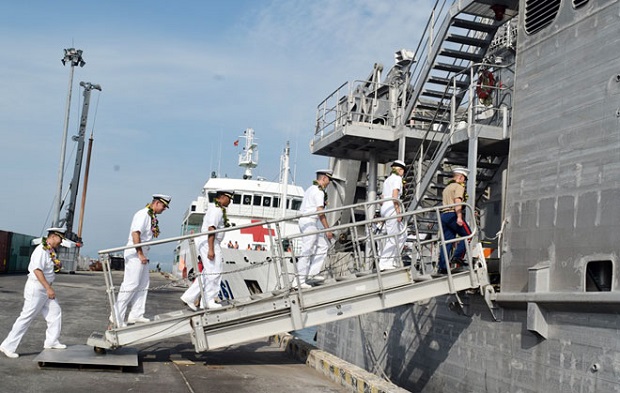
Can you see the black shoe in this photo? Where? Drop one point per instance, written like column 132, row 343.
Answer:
column 459, row 262
column 442, row 271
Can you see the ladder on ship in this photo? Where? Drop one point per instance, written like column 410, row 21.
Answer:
column 288, row 309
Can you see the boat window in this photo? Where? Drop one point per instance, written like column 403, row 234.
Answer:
column 266, row 201
column 296, row 204
column 579, row 3
column 257, row 200
column 599, row 276
column 236, row 199
column 276, row 202
column 540, row 14
column 211, row 197
column 247, row 199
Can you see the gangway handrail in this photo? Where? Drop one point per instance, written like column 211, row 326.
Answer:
column 295, row 309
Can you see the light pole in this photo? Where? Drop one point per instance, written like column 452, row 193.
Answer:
column 73, row 57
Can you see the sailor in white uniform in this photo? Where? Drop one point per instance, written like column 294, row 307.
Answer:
column 314, row 247
column 210, row 251
column 39, row 296
column 393, row 244
column 134, row 289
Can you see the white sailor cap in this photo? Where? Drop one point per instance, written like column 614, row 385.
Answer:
column 462, row 171
column 57, row 231
column 165, row 199
column 327, row 172
column 399, row 164
column 228, row 193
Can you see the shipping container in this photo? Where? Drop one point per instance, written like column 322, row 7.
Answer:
column 5, row 247
column 20, row 250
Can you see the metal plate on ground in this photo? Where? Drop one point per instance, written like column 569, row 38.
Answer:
column 84, row 356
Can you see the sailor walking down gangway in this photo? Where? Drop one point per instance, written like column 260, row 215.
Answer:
column 358, row 288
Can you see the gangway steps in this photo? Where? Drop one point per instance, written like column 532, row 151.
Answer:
column 287, row 311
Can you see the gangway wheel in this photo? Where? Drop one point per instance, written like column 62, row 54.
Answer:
column 99, row 350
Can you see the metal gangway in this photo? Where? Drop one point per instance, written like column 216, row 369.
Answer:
column 288, row 309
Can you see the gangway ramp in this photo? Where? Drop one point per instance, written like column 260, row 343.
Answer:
column 285, row 308
column 294, row 310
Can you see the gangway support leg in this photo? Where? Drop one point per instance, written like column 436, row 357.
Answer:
column 199, row 338
column 489, row 298
column 296, row 316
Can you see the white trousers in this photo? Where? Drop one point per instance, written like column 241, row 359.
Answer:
column 134, row 289
column 313, row 249
column 211, row 277
column 393, row 244
column 35, row 302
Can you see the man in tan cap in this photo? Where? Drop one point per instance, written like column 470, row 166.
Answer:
column 39, row 296
column 453, row 218
column 133, row 291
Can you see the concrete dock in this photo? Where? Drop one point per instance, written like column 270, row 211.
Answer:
column 169, row 366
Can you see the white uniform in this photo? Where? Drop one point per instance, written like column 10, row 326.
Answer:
column 136, row 279
column 313, row 247
column 212, row 269
column 392, row 244
column 35, row 302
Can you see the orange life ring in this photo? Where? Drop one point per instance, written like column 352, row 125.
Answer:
column 484, row 88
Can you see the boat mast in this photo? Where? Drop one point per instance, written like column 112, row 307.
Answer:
column 249, row 158
column 284, row 162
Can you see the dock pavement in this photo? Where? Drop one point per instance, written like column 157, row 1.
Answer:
column 169, row 366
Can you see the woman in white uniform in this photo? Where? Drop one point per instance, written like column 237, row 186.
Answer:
column 39, row 296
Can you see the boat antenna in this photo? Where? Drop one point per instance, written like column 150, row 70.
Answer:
column 249, row 158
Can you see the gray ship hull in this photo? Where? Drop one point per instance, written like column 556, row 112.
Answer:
column 559, row 293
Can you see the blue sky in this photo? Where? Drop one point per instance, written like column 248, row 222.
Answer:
column 181, row 81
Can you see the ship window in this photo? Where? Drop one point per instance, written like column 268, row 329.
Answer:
column 296, row 204
column 267, row 201
column 193, row 208
column 257, row 200
column 236, row 199
column 599, row 276
column 247, row 199
column 276, row 202
column 211, row 197
column 540, row 14
column 579, row 3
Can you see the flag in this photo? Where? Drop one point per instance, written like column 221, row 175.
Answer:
column 236, row 143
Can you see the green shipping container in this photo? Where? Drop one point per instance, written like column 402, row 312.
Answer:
column 21, row 248
column 5, row 250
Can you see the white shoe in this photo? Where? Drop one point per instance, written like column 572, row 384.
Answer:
column 8, row 353
column 56, row 346
column 303, row 285
column 189, row 304
column 316, row 278
column 213, row 304
column 138, row 320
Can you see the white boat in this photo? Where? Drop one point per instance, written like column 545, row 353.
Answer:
column 247, row 252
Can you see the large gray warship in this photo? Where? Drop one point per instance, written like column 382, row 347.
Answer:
column 527, row 95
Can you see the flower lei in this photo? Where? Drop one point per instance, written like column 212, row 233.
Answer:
column 465, row 196
column 53, row 256
column 316, row 183
column 154, row 222
column 224, row 216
